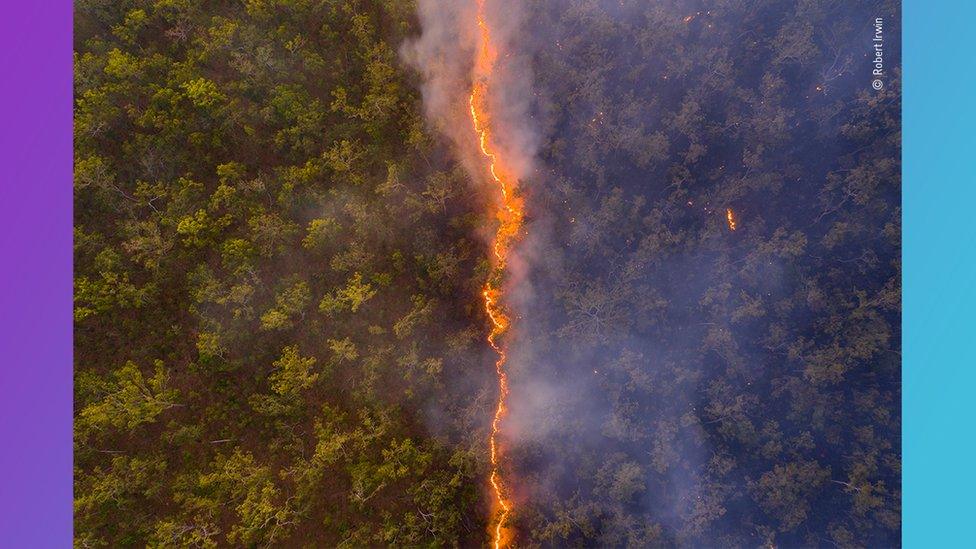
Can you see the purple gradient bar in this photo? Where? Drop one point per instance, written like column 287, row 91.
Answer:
column 35, row 275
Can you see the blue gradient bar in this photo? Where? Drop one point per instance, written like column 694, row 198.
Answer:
column 939, row 197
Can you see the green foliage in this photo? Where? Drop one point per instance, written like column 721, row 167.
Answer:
column 293, row 373
column 108, row 288
column 129, row 400
column 320, row 233
column 116, row 490
column 238, row 164
column 348, row 299
column 289, row 303
column 203, row 93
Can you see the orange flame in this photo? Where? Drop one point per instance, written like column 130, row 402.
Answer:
column 730, row 217
column 510, row 216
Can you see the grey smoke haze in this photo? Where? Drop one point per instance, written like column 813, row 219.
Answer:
column 639, row 375
column 444, row 53
column 558, row 406
column 543, row 403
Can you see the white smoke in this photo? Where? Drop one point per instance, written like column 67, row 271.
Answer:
column 443, row 55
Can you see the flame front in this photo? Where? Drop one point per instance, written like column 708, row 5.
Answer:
column 730, row 217
column 510, row 217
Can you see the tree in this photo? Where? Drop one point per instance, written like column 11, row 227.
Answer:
column 128, row 401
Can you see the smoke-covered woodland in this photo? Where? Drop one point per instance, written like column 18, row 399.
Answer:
column 283, row 235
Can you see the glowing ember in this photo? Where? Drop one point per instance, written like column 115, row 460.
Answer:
column 730, row 217
column 510, row 216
